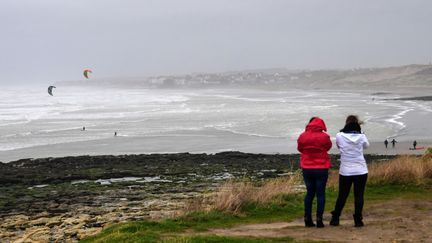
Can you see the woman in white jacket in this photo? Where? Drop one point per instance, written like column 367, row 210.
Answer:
column 353, row 169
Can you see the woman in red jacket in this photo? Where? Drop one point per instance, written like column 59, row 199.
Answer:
column 313, row 145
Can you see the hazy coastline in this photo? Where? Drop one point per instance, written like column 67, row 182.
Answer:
column 255, row 111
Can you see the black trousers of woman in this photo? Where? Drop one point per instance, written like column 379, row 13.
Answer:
column 345, row 183
column 315, row 181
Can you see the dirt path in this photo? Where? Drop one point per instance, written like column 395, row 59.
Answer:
column 392, row 221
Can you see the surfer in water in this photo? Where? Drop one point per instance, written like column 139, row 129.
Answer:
column 393, row 142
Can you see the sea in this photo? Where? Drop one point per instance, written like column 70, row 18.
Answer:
column 34, row 124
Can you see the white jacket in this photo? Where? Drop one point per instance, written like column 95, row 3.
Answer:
column 351, row 147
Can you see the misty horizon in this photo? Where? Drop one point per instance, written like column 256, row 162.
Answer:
column 48, row 41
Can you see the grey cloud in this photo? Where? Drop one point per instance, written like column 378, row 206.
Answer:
column 49, row 40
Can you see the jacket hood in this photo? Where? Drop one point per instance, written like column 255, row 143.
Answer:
column 316, row 125
column 353, row 138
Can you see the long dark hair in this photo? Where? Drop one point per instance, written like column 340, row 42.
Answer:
column 352, row 125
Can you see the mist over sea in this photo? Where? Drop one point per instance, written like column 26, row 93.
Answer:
column 34, row 124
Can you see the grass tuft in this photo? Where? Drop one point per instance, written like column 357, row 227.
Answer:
column 233, row 196
column 402, row 170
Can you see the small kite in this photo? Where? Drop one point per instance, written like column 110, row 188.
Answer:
column 86, row 73
column 50, row 88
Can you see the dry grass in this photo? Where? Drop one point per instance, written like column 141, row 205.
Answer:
column 233, row 195
column 404, row 169
column 333, row 179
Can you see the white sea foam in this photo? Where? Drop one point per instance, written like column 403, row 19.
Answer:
column 395, row 119
column 245, row 133
column 226, row 118
column 422, row 105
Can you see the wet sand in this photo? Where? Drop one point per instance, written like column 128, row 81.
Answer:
column 400, row 148
column 171, row 143
column 180, row 144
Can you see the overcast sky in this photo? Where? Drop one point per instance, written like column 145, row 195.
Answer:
column 53, row 40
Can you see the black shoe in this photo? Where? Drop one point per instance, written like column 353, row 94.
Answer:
column 358, row 220
column 319, row 223
column 335, row 219
column 308, row 221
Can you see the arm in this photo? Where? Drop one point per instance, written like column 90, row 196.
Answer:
column 338, row 141
column 328, row 144
column 365, row 142
column 300, row 144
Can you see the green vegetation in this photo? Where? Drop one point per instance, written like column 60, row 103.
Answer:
column 289, row 208
column 151, row 231
column 284, row 208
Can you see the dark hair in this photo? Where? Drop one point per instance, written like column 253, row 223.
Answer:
column 352, row 125
column 352, row 119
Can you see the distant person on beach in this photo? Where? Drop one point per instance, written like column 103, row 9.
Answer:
column 83, row 128
column 353, row 169
column 115, row 134
column 414, row 144
column 386, row 143
column 313, row 145
column 393, row 142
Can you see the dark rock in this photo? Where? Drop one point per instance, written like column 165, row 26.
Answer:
column 61, row 196
column 94, row 224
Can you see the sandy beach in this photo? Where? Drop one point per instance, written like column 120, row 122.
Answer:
column 180, row 144
column 401, row 148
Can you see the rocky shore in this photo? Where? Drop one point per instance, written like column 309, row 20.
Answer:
column 66, row 199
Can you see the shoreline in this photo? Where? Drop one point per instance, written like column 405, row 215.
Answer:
column 129, row 148
column 69, row 168
column 387, row 114
column 401, row 148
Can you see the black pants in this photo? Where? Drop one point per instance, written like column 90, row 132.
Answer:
column 345, row 183
column 315, row 181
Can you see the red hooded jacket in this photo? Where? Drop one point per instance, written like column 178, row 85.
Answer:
column 313, row 145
